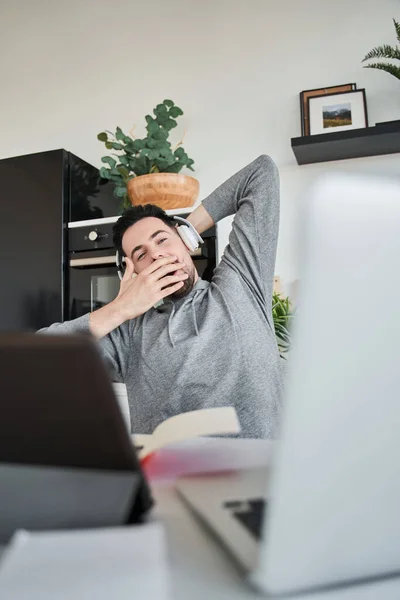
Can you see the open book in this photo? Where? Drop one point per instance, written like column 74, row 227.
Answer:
column 205, row 422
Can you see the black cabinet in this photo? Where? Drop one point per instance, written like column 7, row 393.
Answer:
column 39, row 194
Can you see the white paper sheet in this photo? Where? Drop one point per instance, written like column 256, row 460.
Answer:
column 92, row 564
column 204, row 422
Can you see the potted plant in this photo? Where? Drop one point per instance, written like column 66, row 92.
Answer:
column 282, row 314
column 147, row 170
column 385, row 51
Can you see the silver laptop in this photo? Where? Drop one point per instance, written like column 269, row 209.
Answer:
column 328, row 510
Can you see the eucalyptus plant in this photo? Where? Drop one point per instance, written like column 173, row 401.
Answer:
column 282, row 314
column 133, row 157
column 386, row 51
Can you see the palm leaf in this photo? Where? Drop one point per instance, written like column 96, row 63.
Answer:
column 281, row 335
column 384, row 51
column 397, row 27
column 392, row 69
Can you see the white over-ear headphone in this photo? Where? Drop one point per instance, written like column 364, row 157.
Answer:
column 189, row 235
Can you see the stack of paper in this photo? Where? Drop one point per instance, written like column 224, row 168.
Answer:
column 119, row 563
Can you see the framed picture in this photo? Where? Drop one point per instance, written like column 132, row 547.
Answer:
column 335, row 89
column 337, row 112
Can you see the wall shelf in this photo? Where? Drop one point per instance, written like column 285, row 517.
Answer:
column 356, row 143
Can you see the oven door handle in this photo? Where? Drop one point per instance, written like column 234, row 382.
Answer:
column 93, row 261
column 106, row 260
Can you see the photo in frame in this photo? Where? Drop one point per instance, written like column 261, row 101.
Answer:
column 337, row 112
column 335, row 89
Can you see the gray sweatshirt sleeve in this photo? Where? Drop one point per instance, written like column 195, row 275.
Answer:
column 113, row 346
column 252, row 194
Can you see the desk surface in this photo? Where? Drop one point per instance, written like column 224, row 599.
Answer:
column 200, row 568
column 198, row 565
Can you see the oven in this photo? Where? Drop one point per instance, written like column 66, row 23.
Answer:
column 92, row 280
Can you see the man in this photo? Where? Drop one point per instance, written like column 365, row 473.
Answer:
column 209, row 344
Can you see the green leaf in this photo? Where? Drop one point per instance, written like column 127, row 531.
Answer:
column 152, row 127
column 138, row 145
column 119, row 135
column 102, row 137
column 176, row 167
column 154, row 154
column 391, row 69
column 162, row 119
column 168, row 103
column 124, row 160
column 161, row 144
column 170, row 124
column 110, row 161
column 161, row 134
column 280, row 319
column 280, row 328
column 124, row 172
column 104, row 173
column 175, row 112
column 167, row 157
column 162, row 165
column 115, row 175
column 142, row 165
column 109, row 145
column 160, row 109
column 117, row 179
column 149, row 119
column 120, row 191
column 397, row 28
column 166, row 153
column 117, row 146
column 383, row 52
column 179, row 152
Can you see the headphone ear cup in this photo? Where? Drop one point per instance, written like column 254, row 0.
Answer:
column 188, row 238
column 121, row 266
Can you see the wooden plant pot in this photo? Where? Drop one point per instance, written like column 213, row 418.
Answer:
column 166, row 190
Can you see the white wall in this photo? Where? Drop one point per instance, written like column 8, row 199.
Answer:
column 72, row 68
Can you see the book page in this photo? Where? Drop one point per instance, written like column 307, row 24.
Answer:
column 208, row 421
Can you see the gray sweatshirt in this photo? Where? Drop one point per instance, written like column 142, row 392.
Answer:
column 216, row 346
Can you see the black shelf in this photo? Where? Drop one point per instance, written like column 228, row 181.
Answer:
column 356, row 143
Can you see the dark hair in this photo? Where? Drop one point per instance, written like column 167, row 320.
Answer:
column 132, row 216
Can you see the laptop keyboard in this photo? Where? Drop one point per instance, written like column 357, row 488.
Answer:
column 250, row 513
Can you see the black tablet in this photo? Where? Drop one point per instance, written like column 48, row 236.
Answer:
column 58, row 407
